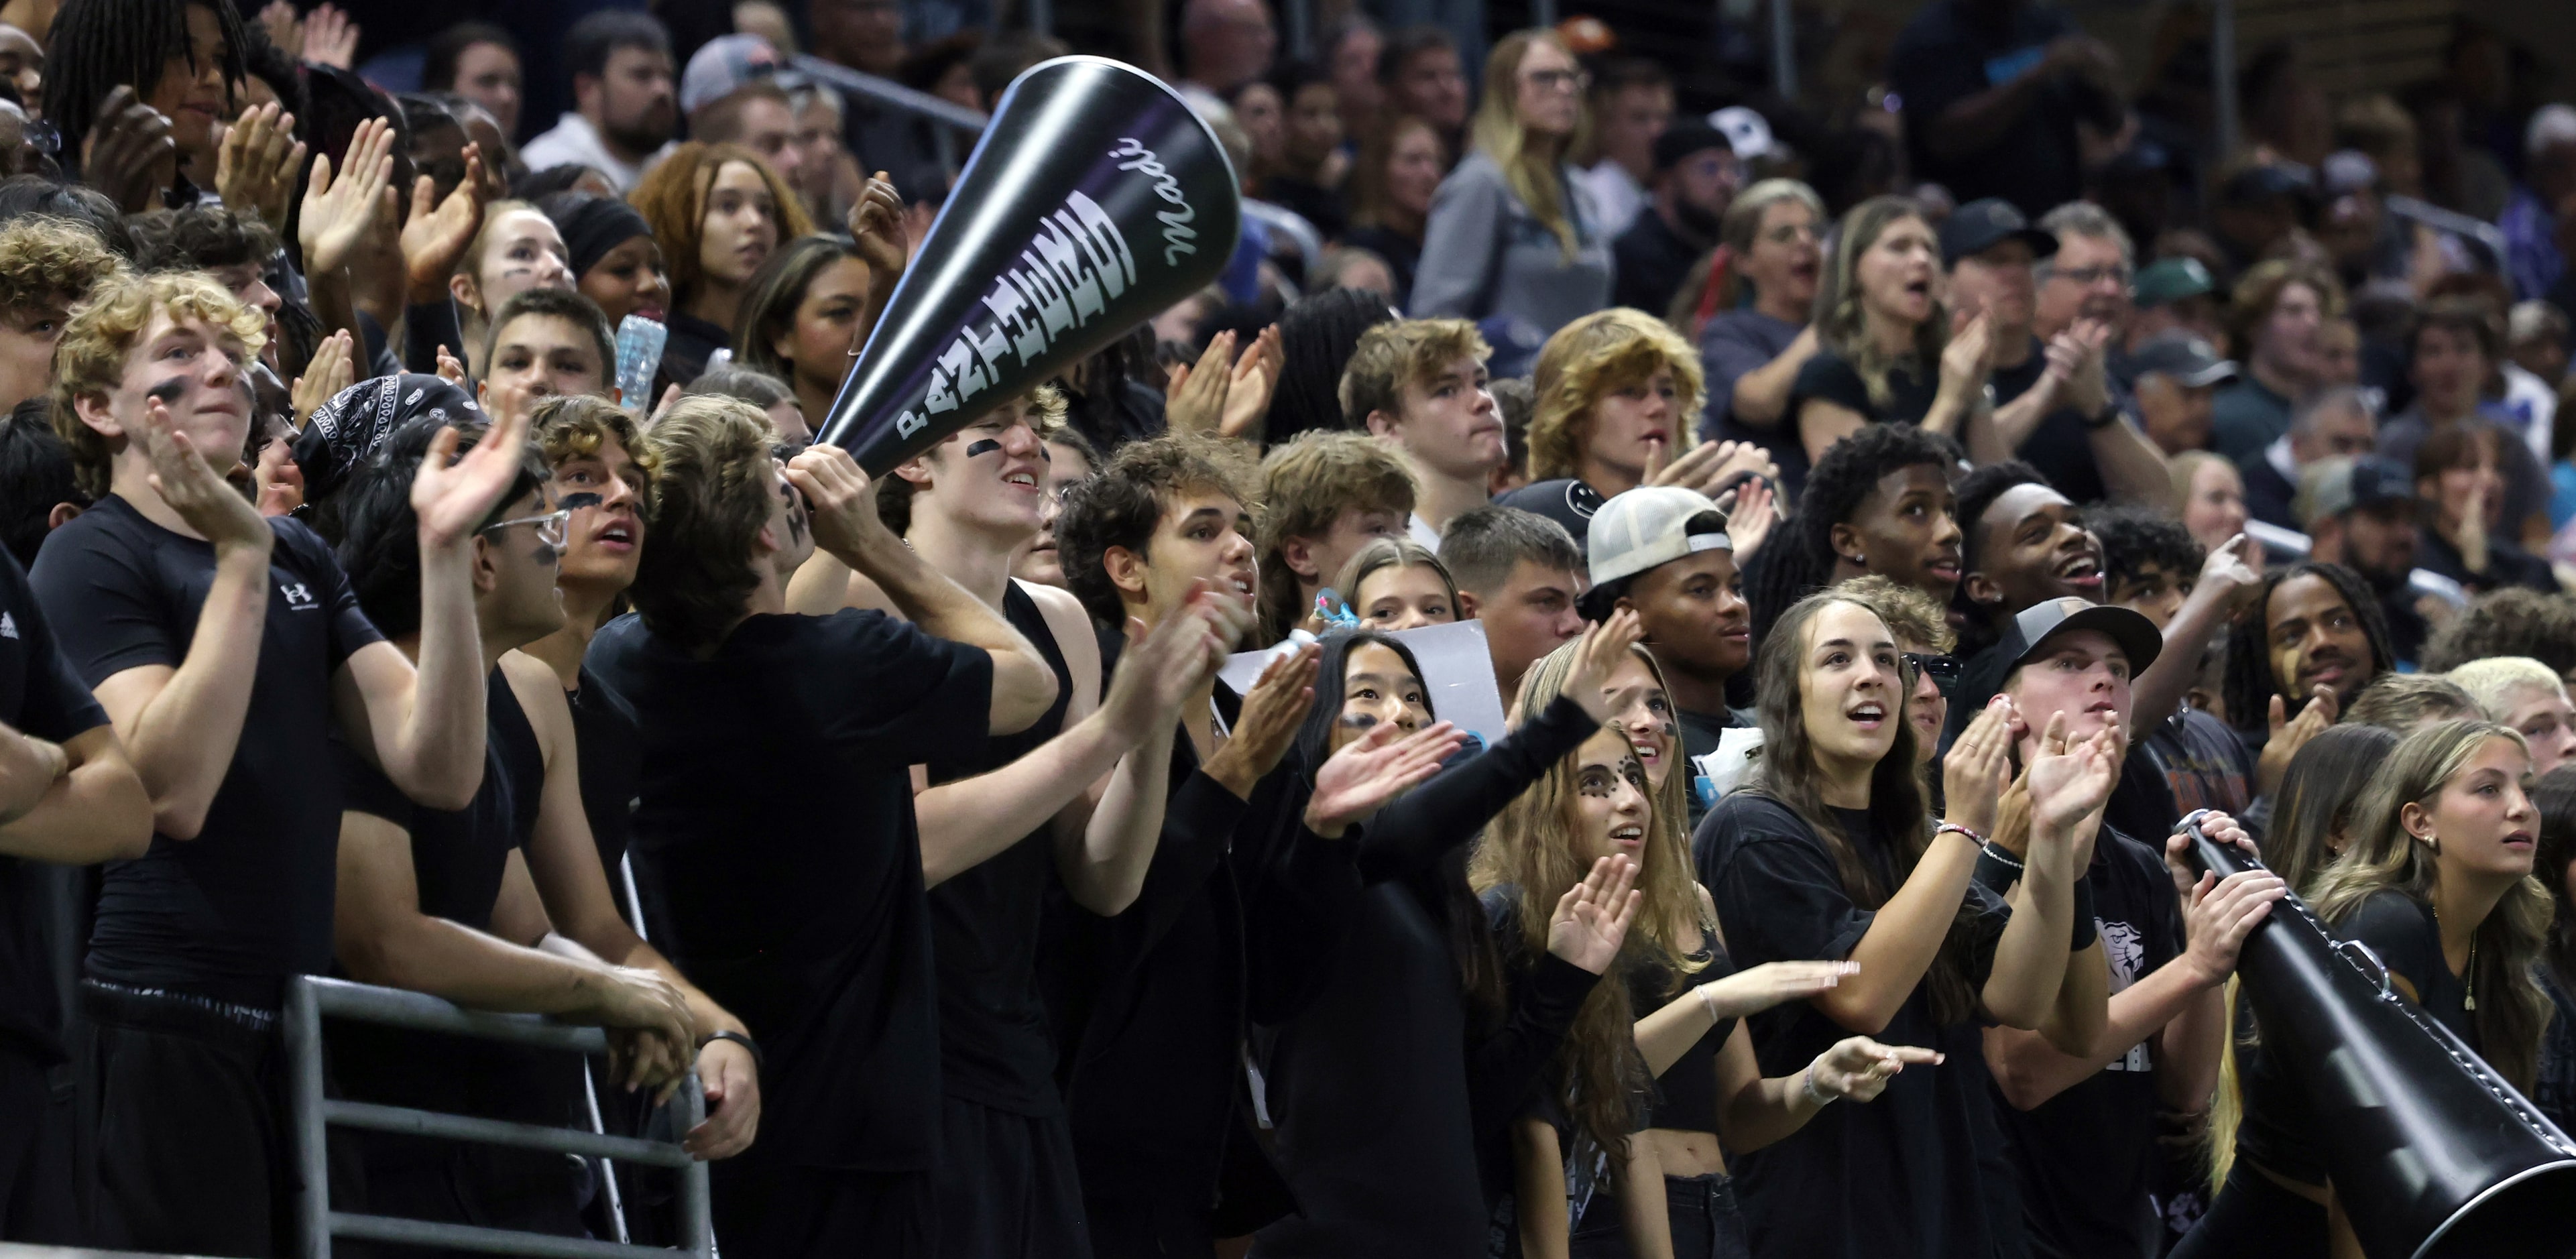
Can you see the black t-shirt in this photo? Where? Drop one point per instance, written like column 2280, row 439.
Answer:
column 776, row 827
column 457, row 856
column 2279, row 1132
column 993, row 1043
column 1827, row 377
column 2554, row 1092
column 692, row 342
column 611, row 750
column 40, row 696
column 1912, row 1173
column 2061, row 447
column 2084, row 1156
column 1941, row 58
column 230, row 914
column 2190, row 761
column 1653, row 260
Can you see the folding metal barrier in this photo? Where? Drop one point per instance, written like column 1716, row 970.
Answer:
column 309, row 999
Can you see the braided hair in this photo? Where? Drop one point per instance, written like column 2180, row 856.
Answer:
column 2249, row 684
column 1801, row 560
column 99, row 44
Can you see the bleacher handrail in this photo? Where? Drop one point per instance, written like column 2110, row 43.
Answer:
column 890, row 94
column 309, row 998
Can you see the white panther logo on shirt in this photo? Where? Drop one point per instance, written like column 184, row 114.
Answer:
column 2125, row 948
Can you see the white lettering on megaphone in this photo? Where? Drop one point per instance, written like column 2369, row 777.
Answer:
column 1076, row 263
column 1177, row 234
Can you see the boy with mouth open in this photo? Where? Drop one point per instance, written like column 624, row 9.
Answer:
column 2081, row 1128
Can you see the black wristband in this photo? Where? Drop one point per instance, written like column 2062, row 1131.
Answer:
column 2109, row 415
column 2086, row 929
column 758, row 1063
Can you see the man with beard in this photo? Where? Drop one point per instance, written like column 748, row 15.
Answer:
column 2360, row 513
column 2053, row 405
column 2313, row 639
column 623, row 97
column 1696, row 176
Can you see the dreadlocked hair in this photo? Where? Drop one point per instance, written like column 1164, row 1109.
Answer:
column 1317, row 334
column 98, row 45
column 1800, row 561
column 1530, row 850
column 2249, row 684
column 1900, row 815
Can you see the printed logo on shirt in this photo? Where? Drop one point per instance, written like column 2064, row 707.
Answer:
column 8, row 626
column 2125, row 948
column 299, row 598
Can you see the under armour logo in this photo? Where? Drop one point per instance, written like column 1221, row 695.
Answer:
column 8, row 626
column 297, row 596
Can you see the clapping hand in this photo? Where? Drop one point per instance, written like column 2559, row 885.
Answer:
column 1965, row 362
column 1164, row 666
column 205, row 500
column 2288, row 737
column 256, row 166
column 1978, row 767
column 453, row 496
column 1376, row 767
column 436, row 233
column 339, row 211
column 2071, row 778
column 130, row 154
column 1271, row 714
column 332, row 369
column 1592, row 919
column 1751, row 511
column 331, row 39
column 1224, row 394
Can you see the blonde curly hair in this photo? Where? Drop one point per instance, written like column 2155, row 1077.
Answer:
column 49, row 262
column 1592, row 357
column 89, row 361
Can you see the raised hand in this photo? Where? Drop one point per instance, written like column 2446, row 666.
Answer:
column 203, row 497
column 130, row 154
column 2071, row 778
column 842, row 501
column 1256, row 376
column 1706, row 466
column 1978, row 767
column 1592, row 918
column 331, row 39
column 338, row 212
column 434, row 236
column 1271, row 714
column 1858, row 1068
column 1374, row 768
column 2087, row 385
column 1964, row 362
column 453, row 496
column 2234, row 569
column 255, row 168
column 1762, row 987
column 450, row 369
column 876, row 223
column 1603, row 648
column 1751, row 510
column 1194, row 402
column 333, row 368
column 2314, row 719
column 284, row 29
column 1164, row 666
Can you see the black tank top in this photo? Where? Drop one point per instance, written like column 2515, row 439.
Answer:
column 994, row 1048
column 1686, row 1093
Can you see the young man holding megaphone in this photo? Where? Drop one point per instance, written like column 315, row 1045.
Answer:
column 1077, row 798
column 777, row 817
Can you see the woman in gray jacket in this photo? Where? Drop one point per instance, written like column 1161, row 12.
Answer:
column 1511, row 243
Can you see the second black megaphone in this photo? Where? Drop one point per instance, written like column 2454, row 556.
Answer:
column 1095, row 199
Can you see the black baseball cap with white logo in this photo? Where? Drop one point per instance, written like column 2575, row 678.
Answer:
column 2027, row 634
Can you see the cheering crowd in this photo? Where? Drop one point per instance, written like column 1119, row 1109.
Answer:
column 1887, row 529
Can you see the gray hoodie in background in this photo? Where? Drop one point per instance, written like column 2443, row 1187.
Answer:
column 1485, row 255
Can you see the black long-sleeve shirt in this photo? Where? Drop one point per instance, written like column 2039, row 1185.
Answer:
column 1390, row 1105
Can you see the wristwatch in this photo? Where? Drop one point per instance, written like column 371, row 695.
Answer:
column 2110, row 415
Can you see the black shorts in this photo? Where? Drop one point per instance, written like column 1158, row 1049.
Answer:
column 37, row 1204
column 193, row 1149
column 767, row 1211
column 1007, row 1187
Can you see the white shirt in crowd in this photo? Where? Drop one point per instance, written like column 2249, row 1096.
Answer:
column 574, row 142
column 1615, row 193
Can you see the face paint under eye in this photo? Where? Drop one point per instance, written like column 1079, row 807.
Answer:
column 1358, row 721
column 984, row 447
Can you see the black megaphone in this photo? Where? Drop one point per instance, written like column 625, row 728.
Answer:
column 1095, row 199
column 2433, row 1155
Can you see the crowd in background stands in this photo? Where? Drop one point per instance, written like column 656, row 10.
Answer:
column 1886, row 523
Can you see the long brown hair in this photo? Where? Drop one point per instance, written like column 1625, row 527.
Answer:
column 2384, row 855
column 1529, row 849
column 673, row 198
column 1898, row 807
column 1535, row 168
column 1840, row 323
column 1370, row 197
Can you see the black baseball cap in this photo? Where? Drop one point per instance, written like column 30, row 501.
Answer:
column 2027, row 632
column 1684, row 137
column 1568, row 502
column 1984, row 223
column 2186, row 358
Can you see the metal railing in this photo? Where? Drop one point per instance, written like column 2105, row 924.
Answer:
column 309, row 999
column 951, row 117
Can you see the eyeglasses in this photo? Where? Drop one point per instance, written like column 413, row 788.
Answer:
column 2087, row 277
column 1561, row 80
column 550, row 526
column 1943, row 670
